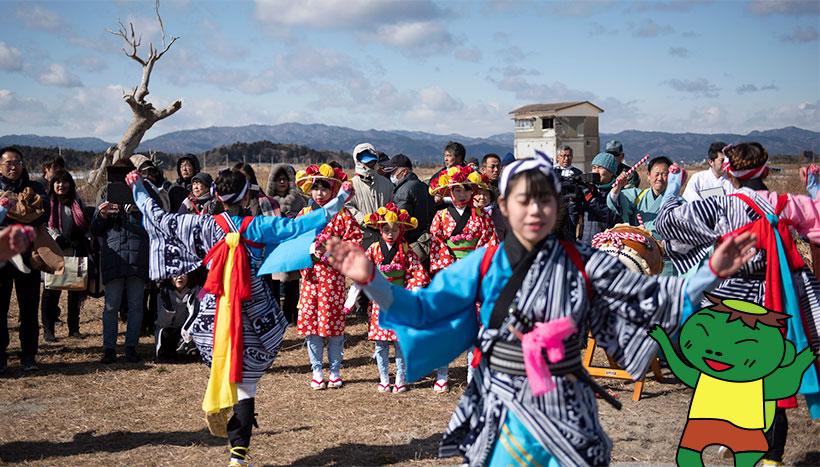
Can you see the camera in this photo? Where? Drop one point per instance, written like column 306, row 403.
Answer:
column 574, row 188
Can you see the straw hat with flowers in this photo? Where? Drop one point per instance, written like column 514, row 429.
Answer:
column 391, row 214
column 457, row 175
column 306, row 178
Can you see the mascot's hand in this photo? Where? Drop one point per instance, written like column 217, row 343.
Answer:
column 658, row 334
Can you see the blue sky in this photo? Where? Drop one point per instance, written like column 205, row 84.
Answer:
column 437, row 66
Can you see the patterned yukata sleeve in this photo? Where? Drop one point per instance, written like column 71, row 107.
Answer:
column 417, row 276
column 488, row 237
column 626, row 305
column 350, row 231
column 691, row 223
column 436, row 244
column 177, row 242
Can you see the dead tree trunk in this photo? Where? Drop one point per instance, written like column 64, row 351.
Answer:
column 144, row 113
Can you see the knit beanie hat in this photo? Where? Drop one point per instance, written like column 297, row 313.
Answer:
column 607, row 161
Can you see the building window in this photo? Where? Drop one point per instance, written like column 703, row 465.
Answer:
column 524, row 124
column 548, row 123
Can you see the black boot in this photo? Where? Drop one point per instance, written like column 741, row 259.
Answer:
column 240, row 427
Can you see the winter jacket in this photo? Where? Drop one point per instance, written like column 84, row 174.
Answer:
column 413, row 195
column 186, row 182
column 123, row 244
column 293, row 202
column 372, row 191
column 68, row 235
column 18, row 186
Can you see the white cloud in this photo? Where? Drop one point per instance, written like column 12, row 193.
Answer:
column 35, row 16
column 57, row 75
column 20, row 112
column 468, row 54
column 649, row 28
column 344, row 14
column 598, row 29
column 805, row 114
column 700, row 87
column 418, row 38
column 749, row 88
column 785, row 7
column 801, row 35
column 681, row 52
column 10, row 58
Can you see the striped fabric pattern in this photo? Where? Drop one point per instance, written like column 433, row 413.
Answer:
column 178, row 242
column 692, row 228
column 565, row 421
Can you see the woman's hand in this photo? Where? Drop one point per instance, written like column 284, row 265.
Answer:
column 15, row 239
column 347, row 187
column 349, row 260
column 108, row 209
column 732, row 253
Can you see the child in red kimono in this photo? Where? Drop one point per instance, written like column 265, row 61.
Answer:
column 457, row 230
column 400, row 265
column 322, row 288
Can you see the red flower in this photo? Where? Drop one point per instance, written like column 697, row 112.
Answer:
column 340, row 174
column 312, row 170
column 404, row 216
column 391, row 206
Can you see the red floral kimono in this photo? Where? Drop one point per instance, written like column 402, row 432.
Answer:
column 448, row 246
column 404, row 269
column 322, row 288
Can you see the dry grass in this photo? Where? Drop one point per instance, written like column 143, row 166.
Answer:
column 76, row 411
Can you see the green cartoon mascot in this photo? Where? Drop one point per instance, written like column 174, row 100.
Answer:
column 739, row 364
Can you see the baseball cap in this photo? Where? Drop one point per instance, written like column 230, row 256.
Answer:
column 399, row 160
column 614, row 147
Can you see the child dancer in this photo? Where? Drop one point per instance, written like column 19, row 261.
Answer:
column 776, row 277
column 533, row 287
column 456, row 231
column 240, row 341
column 322, row 289
column 400, row 265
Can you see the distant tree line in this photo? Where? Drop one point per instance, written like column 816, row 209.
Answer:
column 258, row 152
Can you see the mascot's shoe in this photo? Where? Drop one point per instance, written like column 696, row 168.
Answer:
column 769, row 462
column 239, row 457
column 218, row 422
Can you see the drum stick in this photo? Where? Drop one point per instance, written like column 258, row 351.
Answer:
column 640, row 219
column 640, row 163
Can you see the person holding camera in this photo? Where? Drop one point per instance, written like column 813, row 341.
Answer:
column 585, row 197
column 124, row 264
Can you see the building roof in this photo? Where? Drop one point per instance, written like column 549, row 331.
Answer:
column 555, row 107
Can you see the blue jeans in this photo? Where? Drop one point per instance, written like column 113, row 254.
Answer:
column 383, row 363
column 134, row 287
column 335, row 353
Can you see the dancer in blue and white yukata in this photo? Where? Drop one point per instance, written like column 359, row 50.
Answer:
column 533, row 288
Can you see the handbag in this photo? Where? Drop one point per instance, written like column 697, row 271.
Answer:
column 74, row 276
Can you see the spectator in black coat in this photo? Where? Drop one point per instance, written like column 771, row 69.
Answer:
column 412, row 195
column 124, row 264
column 14, row 179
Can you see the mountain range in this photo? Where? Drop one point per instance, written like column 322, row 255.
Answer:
column 427, row 147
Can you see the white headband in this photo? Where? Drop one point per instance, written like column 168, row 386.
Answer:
column 230, row 198
column 540, row 162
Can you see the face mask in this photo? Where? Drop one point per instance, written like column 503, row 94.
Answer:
column 394, row 179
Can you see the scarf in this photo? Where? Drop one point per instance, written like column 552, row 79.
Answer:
column 782, row 257
column 55, row 219
column 229, row 279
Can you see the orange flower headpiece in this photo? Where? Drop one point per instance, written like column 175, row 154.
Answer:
column 306, row 178
column 457, row 175
column 391, row 214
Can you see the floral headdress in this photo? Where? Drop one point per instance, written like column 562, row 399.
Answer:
column 457, row 175
column 306, row 178
column 391, row 214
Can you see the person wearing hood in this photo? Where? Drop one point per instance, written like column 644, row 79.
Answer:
column 200, row 200
column 597, row 215
column 258, row 203
column 372, row 190
column 282, row 189
column 187, row 168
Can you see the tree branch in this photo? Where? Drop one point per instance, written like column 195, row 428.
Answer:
column 133, row 42
column 170, row 110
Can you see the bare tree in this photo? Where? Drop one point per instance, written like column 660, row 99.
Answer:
column 145, row 115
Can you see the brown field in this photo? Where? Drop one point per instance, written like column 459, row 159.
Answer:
column 75, row 411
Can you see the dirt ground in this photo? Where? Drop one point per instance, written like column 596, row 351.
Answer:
column 76, row 411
